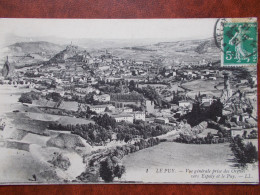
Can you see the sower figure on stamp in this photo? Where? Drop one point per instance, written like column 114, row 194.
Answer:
column 237, row 40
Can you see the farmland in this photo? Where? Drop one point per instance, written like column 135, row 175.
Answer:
column 175, row 155
column 210, row 87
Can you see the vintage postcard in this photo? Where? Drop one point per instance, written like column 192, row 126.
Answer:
column 128, row 101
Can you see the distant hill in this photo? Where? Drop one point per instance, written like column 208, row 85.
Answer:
column 24, row 53
column 35, row 47
column 172, row 52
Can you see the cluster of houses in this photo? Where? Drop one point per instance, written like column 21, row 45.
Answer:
column 83, row 71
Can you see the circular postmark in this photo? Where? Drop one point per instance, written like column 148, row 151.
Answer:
column 218, row 32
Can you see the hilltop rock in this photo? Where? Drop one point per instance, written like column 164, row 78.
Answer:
column 69, row 52
column 8, row 69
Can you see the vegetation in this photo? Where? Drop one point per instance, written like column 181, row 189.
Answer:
column 107, row 163
column 29, row 97
column 209, row 139
column 253, row 135
column 54, row 96
column 109, row 169
column 105, row 121
column 97, row 134
column 151, row 94
column 200, row 113
column 128, row 131
column 244, row 153
column 93, row 133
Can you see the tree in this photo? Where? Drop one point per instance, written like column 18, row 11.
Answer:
column 105, row 121
column 220, row 134
column 106, row 170
column 244, row 153
column 25, row 99
column 209, row 137
column 119, row 171
column 56, row 96
column 251, row 153
column 196, row 115
column 215, row 109
column 109, row 170
column 131, row 86
column 244, row 134
column 29, row 97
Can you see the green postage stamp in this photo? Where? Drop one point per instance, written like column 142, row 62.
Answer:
column 239, row 43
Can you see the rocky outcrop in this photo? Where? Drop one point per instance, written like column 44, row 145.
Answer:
column 8, row 69
column 69, row 52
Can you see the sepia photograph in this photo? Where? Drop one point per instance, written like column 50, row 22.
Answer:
column 162, row 101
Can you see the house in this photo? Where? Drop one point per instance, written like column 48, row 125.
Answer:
column 161, row 120
column 102, row 98
column 149, row 106
column 253, row 80
column 212, row 78
column 244, row 117
column 112, row 79
column 119, row 100
column 174, row 107
column 243, row 81
column 236, row 131
column 179, row 114
column 235, row 118
column 98, row 108
column 123, row 117
column 87, row 90
column 127, row 109
column 206, row 72
column 139, row 116
column 184, row 104
column 206, row 104
column 207, row 99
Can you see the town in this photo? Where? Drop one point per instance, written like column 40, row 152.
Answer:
column 104, row 99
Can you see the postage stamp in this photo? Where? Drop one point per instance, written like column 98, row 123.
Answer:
column 239, row 43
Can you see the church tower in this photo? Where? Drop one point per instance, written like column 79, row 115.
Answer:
column 227, row 92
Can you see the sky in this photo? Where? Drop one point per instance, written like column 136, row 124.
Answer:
column 172, row 29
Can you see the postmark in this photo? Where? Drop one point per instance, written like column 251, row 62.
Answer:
column 237, row 39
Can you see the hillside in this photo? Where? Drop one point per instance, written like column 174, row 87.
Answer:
column 69, row 52
column 172, row 53
column 23, row 53
column 35, row 47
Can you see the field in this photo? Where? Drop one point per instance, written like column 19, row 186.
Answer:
column 18, row 165
column 170, row 155
column 210, row 87
column 206, row 131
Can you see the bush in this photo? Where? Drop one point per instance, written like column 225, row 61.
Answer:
column 109, row 170
column 29, row 97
